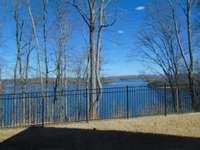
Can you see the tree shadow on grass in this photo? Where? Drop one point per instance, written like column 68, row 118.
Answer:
column 80, row 139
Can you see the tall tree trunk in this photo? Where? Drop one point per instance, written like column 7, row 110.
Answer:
column 92, row 81
column 98, row 56
column 37, row 47
column 57, row 100
column 64, row 87
column 28, row 52
column 47, row 102
column 18, row 66
column 94, row 21
column 1, row 102
column 45, row 13
column 191, row 66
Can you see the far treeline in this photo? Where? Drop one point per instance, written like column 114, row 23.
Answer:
column 151, row 79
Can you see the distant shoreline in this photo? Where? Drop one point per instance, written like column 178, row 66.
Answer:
column 108, row 79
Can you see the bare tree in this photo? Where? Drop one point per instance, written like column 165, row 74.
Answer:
column 78, row 68
column 24, row 47
column 18, row 34
column 61, row 31
column 94, row 17
column 1, row 89
column 187, row 52
column 45, row 15
column 158, row 46
column 37, row 44
column 18, row 66
column 28, row 49
column 197, row 36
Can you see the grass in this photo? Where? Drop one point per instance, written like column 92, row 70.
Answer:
column 9, row 132
column 187, row 125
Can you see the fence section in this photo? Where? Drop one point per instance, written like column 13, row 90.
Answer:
column 66, row 106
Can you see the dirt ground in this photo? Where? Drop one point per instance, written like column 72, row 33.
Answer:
column 174, row 132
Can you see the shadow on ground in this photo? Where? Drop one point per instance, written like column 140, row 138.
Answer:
column 79, row 139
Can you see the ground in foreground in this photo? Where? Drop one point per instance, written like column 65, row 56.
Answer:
column 175, row 132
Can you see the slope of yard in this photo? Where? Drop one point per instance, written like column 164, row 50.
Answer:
column 7, row 133
column 181, row 125
column 174, row 132
column 187, row 125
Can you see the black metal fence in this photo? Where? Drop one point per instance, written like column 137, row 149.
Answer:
column 38, row 108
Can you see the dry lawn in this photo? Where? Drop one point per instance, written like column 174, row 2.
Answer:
column 187, row 125
column 7, row 133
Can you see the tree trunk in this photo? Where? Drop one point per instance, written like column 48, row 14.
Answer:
column 92, row 82
column 98, row 52
column 37, row 48
column 45, row 14
column 189, row 35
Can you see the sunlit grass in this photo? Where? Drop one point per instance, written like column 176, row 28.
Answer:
column 7, row 133
column 181, row 125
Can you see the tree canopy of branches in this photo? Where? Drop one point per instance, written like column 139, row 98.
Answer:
column 158, row 44
column 168, row 41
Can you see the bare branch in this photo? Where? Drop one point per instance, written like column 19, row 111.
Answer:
column 80, row 11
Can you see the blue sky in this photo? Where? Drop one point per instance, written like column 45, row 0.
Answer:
column 121, row 46
column 119, row 40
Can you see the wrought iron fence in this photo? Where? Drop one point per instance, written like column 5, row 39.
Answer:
column 36, row 108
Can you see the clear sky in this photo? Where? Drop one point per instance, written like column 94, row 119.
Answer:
column 119, row 40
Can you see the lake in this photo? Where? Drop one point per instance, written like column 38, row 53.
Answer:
column 119, row 99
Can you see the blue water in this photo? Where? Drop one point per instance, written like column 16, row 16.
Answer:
column 123, row 98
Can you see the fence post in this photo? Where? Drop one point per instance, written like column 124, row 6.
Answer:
column 42, row 110
column 127, row 108
column 165, row 98
column 86, row 107
column 177, row 99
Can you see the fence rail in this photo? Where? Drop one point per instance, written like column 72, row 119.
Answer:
column 38, row 108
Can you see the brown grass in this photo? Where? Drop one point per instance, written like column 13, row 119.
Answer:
column 7, row 133
column 180, row 125
column 187, row 125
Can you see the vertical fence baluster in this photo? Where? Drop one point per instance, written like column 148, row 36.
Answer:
column 177, row 99
column 165, row 99
column 127, row 106
column 42, row 110
column 86, row 106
